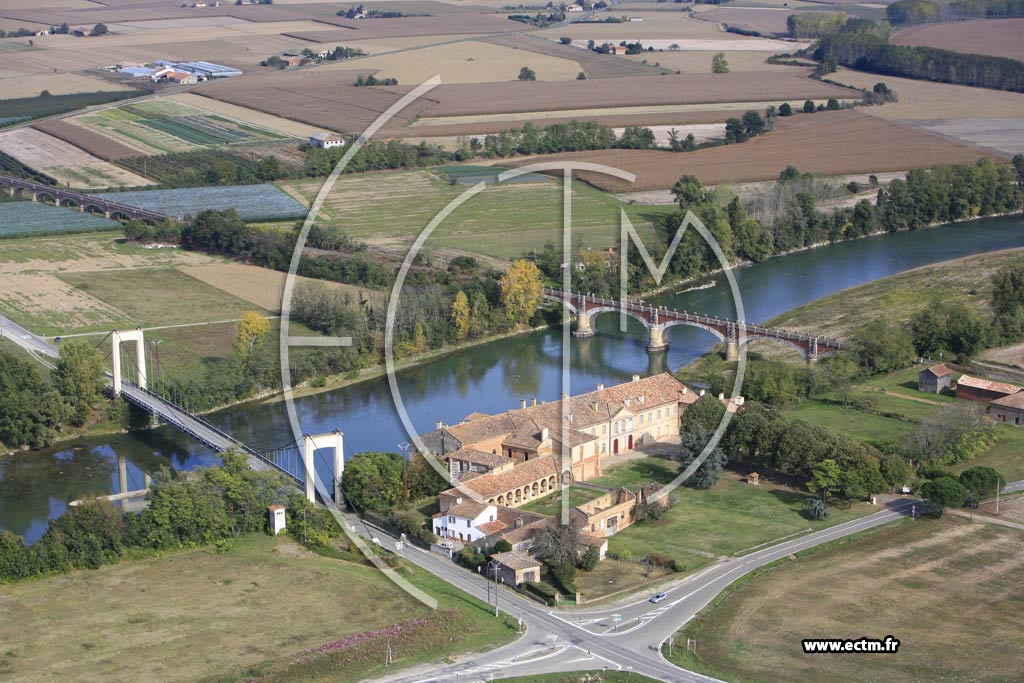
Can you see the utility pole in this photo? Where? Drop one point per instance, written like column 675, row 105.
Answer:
column 404, row 446
column 999, row 485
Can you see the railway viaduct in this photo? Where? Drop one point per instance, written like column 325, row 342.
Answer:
column 658, row 319
column 18, row 187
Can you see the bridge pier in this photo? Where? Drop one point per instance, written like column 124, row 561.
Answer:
column 656, row 338
column 732, row 351
column 583, row 327
column 312, row 443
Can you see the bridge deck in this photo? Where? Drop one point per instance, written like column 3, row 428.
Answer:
column 82, row 199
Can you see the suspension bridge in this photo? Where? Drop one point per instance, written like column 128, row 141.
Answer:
column 658, row 319
column 157, row 393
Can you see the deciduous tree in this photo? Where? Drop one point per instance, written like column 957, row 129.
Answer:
column 521, row 291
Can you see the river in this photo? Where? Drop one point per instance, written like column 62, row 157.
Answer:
column 35, row 486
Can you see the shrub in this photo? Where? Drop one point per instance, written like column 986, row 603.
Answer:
column 590, row 559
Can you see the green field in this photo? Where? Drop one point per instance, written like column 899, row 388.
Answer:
column 166, row 126
column 504, row 221
column 731, row 517
column 947, row 589
column 237, row 615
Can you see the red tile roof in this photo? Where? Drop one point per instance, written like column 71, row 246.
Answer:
column 497, row 483
column 939, row 370
column 1010, row 401
column 987, row 385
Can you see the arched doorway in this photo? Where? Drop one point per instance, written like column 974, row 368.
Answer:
column 630, row 447
column 615, row 446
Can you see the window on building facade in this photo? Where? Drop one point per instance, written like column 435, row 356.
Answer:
column 451, row 520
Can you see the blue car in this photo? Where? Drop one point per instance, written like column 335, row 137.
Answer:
column 659, row 597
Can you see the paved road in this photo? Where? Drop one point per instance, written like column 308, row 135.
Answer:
column 570, row 640
column 32, row 343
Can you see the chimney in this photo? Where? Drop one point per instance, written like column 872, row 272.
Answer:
column 626, row 402
column 685, row 390
column 636, row 378
column 640, row 399
column 600, row 387
column 458, row 501
column 522, row 403
column 534, row 401
column 440, row 425
column 518, row 524
column 701, row 392
column 545, row 434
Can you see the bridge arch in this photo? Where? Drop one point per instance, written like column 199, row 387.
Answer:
column 93, row 207
column 592, row 313
column 69, row 202
column 691, row 323
column 47, row 197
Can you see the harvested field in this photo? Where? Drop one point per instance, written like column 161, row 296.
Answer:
column 57, row 84
column 593, row 64
column 922, row 100
column 50, row 303
column 466, row 62
column 262, row 286
column 996, row 37
column 65, row 162
column 1000, row 135
column 928, row 583
column 91, row 141
column 829, row 143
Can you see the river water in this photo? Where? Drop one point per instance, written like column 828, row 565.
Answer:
column 35, row 486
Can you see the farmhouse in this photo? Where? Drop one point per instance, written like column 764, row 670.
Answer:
column 81, row 31
column 574, row 8
column 515, row 568
column 935, row 379
column 181, row 77
column 607, row 514
column 295, row 60
column 326, row 140
column 1009, row 409
column 983, row 390
column 617, row 49
column 467, row 521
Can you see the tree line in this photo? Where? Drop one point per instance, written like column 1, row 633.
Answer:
column 869, row 51
column 924, row 11
column 814, row 24
column 942, row 194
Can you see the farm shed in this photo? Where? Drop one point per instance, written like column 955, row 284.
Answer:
column 326, row 140
column 935, row 379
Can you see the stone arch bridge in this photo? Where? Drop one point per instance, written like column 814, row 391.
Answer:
column 38, row 192
column 658, row 319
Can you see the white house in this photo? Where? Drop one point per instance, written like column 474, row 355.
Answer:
column 574, row 8
column 467, row 521
column 326, row 140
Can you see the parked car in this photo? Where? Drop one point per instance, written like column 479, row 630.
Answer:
column 659, row 597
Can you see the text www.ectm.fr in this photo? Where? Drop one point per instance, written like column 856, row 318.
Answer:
column 887, row 645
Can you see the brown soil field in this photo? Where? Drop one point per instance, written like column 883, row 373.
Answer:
column 57, row 84
column 262, row 286
column 65, row 162
column 1010, row 509
column 593, row 64
column 323, row 98
column 764, row 20
column 699, row 61
column 996, row 37
column 466, row 62
column 923, row 100
column 829, row 143
column 500, row 98
column 46, row 297
column 86, row 139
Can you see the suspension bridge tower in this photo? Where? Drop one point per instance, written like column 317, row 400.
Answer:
column 120, row 337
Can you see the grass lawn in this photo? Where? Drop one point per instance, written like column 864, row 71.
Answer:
column 928, row 583
column 552, row 504
column 201, row 613
column 612, row 576
column 730, row 517
column 1006, row 455
column 504, row 221
column 635, row 473
column 850, row 422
